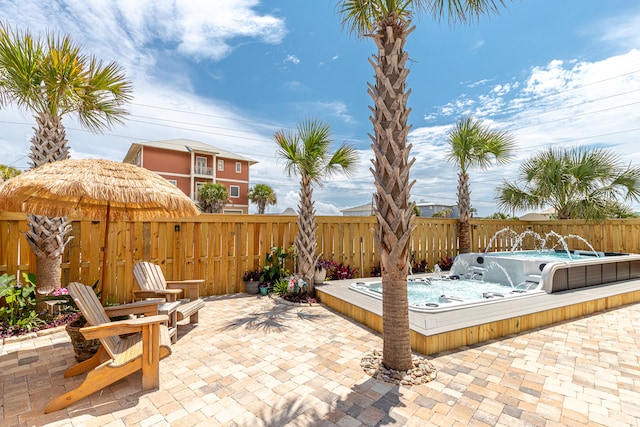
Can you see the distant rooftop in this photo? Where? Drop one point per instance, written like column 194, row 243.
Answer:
column 185, row 145
column 360, row 208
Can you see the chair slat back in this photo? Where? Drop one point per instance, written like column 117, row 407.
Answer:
column 149, row 276
column 92, row 310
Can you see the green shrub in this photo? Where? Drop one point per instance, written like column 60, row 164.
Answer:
column 19, row 311
column 280, row 287
column 274, row 267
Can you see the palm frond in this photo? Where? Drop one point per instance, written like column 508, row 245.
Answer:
column 361, row 17
column 20, row 55
column 53, row 76
column 461, row 11
column 288, row 150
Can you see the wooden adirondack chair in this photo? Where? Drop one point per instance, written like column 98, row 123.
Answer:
column 152, row 284
column 117, row 357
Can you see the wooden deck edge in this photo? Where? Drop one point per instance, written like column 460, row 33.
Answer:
column 451, row 340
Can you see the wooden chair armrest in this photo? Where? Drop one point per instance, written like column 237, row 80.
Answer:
column 193, row 286
column 146, row 308
column 121, row 327
column 168, row 294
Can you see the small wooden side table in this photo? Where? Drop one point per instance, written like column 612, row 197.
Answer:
column 169, row 308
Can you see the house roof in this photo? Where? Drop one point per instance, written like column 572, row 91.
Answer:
column 534, row 216
column 361, row 208
column 425, row 204
column 537, row 216
column 185, row 145
column 288, row 211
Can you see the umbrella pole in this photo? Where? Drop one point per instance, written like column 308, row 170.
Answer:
column 104, row 254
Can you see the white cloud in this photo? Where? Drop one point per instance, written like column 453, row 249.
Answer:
column 291, row 58
column 478, row 83
column 621, row 30
column 477, row 45
column 294, row 86
column 550, row 79
column 323, row 63
column 462, row 106
column 335, row 108
column 197, row 29
column 501, row 90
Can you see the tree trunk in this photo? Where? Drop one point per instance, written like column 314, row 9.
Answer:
column 306, row 238
column 393, row 212
column 49, row 143
column 464, row 211
column 47, row 237
column 48, row 272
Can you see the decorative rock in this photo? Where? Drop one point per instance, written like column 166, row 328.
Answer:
column 422, row 372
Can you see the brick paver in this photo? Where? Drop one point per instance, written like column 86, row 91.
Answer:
column 251, row 362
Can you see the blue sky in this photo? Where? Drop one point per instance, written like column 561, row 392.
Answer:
column 230, row 73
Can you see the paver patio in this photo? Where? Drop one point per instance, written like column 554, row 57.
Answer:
column 251, row 362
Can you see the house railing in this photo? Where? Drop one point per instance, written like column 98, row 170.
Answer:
column 201, row 170
column 220, row 248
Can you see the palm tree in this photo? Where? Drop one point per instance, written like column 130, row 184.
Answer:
column 51, row 78
column 213, row 197
column 472, row 144
column 306, row 154
column 444, row 213
column 7, row 172
column 262, row 195
column 578, row 183
column 388, row 24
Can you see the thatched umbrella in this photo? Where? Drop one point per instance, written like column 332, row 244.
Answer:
column 95, row 189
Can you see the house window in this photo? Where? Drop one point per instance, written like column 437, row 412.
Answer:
column 220, row 164
column 198, row 187
column 138, row 159
column 234, row 191
column 238, row 167
column 173, row 182
column 201, row 165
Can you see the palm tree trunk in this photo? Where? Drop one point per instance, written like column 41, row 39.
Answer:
column 391, row 174
column 306, row 238
column 48, row 268
column 49, row 143
column 464, row 208
column 47, row 237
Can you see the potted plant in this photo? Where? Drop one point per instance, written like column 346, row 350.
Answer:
column 264, row 288
column 252, row 280
column 322, row 266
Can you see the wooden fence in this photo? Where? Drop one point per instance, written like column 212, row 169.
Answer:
column 220, row 248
